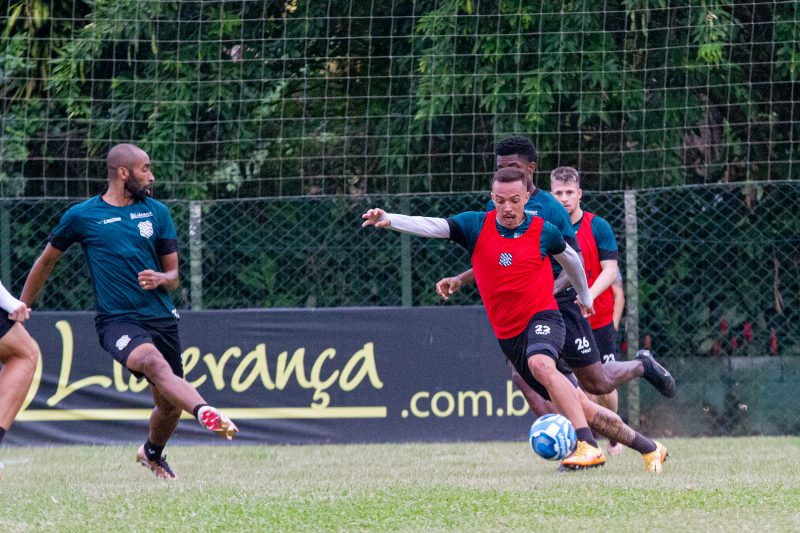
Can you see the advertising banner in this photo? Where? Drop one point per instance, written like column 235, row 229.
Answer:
column 287, row 376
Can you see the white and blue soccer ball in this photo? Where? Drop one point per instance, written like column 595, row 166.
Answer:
column 552, row 437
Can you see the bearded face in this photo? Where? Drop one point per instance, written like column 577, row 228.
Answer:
column 138, row 186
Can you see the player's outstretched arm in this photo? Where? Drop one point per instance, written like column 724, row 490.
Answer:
column 436, row 228
column 39, row 273
column 571, row 262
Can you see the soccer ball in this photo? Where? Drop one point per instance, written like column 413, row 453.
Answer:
column 552, row 437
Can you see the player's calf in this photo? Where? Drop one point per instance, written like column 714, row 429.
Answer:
column 594, row 380
column 611, row 426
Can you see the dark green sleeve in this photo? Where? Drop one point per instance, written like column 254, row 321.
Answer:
column 604, row 237
column 67, row 232
column 465, row 228
column 551, row 242
column 167, row 242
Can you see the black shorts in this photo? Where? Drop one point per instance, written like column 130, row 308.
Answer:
column 120, row 338
column 5, row 323
column 544, row 334
column 580, row 348
column 606, row 339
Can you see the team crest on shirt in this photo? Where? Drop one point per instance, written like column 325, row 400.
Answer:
column 145, row 229
column 505, row 259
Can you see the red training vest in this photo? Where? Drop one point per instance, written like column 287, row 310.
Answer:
column 604, row 303
column 514, row 280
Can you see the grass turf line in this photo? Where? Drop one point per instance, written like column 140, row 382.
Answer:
column 708, row 484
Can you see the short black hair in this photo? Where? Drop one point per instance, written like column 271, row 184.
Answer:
column 517, row 145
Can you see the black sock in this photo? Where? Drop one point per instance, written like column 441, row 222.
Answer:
column 642, row 444
column 585, row 434
column 2, row 434
column 197, row 408
column 152, row 451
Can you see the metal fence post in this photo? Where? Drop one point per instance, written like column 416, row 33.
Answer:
column 632, row 298
column 5, row 246
column 196, row 254
column 407, row 297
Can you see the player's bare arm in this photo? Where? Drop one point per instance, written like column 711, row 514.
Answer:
column 39, row 273
column 571, row 262
column 168, row 279
column 608, row 273
column 619, row 301
column 451, row 285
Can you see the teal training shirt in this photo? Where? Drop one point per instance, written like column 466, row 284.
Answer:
column 465, row 228
column 545, row 205
column 120, row 242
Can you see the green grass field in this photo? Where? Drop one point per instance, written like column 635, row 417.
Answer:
column 743, row 484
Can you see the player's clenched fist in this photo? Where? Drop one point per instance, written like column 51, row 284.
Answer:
column 20, row 314
column 375, row 217
column 447, row 286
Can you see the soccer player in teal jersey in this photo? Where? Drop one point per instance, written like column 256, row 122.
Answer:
column 580, row 350
column 18, row 356
column 131, row 247
column 509, row 250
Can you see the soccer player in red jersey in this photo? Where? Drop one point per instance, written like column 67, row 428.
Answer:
column 580, row 351
column 509, row 253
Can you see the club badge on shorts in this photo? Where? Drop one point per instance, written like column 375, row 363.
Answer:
column 122, row 342
column 505, row 259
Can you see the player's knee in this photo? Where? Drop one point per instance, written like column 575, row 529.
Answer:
column 27, row 353
column 30, row 354
column 542, row 368
column 152, row 365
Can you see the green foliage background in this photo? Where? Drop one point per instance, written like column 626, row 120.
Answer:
column 347, row 104
column 275, row 98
